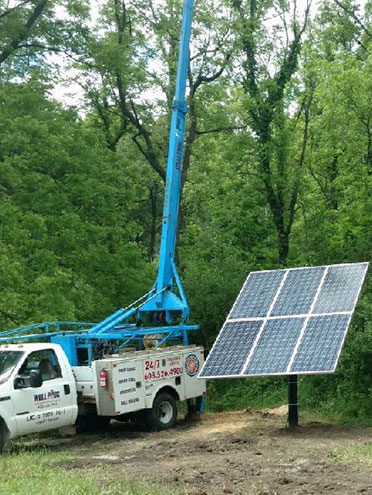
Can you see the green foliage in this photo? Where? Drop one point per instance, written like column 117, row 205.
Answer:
column 31, row 29
column 67, row 247
column 227, row 232
column 243, row 393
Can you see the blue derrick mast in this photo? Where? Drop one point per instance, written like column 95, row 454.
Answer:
column 163, row 312
column 166, row 299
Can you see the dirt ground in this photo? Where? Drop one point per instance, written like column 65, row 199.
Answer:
column 248, row 453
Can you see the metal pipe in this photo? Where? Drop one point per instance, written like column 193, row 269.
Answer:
column 292, row 402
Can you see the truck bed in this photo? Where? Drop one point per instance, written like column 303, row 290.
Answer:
column 135, row 377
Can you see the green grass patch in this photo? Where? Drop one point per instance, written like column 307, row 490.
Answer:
column 237, row 394
column 333, row 414
column 356, row 455
column 43, row 472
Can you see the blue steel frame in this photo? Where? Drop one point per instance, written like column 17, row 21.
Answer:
column 161, row 298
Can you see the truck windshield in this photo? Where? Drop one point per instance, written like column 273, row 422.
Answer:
column 8, row 361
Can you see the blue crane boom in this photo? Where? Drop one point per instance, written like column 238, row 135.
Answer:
column 166, row 301
column 163, row 300
column 175, row 155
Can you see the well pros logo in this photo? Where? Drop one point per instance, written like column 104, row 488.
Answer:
column 192, row 364
column 51, row 395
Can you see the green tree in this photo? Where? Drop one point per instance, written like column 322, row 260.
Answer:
column 31, row 28
column 67, row 237
column 133, row 62
column 269, row 101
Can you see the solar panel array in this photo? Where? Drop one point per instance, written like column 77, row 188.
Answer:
column 287, row 322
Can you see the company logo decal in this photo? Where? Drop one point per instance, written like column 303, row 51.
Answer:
column 51, row 395
column 192, row 364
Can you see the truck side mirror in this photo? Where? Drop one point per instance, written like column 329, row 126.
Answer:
column 19, row 382
column 36, row 379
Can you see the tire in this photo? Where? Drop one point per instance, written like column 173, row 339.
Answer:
column 163, row 414
column 4, row 437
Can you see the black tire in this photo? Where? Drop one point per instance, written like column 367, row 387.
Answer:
column 163, row 414
column 4, row 436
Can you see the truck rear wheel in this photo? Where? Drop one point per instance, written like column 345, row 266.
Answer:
column 163, row 413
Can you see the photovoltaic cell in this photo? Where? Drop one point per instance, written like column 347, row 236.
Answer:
column 270, row 355
column 298, row 291
column 257, row 294
column 231, row 349
column 340, row 289
column 287, row 322
column 321, row 344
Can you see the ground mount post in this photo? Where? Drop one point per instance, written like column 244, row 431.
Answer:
column 292, row 402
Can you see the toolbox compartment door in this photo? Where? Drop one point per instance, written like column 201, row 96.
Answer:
column 125, row 392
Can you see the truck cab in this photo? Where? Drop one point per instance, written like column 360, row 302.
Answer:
column 37, row 389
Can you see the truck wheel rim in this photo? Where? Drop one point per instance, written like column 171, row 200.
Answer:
column 165, row 412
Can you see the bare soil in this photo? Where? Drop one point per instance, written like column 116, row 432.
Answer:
column 248, row 453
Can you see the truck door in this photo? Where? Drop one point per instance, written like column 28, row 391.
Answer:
column 49, row 406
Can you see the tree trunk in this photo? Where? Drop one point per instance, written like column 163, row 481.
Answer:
column 154, row 216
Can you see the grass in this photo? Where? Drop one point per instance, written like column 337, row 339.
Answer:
column 41, row 471
column 318, row 415
column 335, row 415
column 237, row 394
column 356, row 455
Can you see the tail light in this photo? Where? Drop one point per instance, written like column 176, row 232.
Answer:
column 103, row 378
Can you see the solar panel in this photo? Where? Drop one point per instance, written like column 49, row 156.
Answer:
column 257, row 294
column 298, row 291
column 270, row 355
column 231, row 349
column 340, row 289
column 287, row 322
column 321, row 344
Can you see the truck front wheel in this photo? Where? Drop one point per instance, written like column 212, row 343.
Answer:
column 163, row 414
column 4, row 437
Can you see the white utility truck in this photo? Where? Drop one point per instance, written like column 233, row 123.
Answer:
column 40, row 390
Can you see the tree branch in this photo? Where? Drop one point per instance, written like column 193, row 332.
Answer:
column 24, row 32
column 9, row 11
column 355, row 17
column 301, row 161
column 222, row 129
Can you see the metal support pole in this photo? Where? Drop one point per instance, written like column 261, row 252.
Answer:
column 292, row 402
